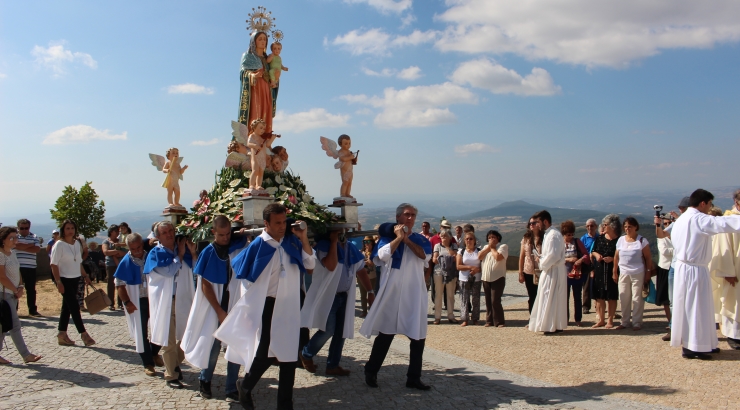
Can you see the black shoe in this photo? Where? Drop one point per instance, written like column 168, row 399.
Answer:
column 175, row 384
column 245, row 396
column 205, row 390
column 371, row 380
column 559, row 331
column 550, row 333
column 715, row 350
column 734, row 343
column 690, row 354
column 232, row 397
column 417, row 384
column 179, row 376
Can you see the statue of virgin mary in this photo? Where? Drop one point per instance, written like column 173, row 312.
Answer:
column 256, row 97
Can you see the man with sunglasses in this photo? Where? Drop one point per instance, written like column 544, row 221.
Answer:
column 588, row 240
column 26, row 248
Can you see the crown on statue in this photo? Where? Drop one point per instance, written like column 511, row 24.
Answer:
column 277, row 35
column 260, row 20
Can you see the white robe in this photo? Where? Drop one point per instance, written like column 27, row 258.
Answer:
column 725, row 263
column 242, row 329
column 401, row 304
column 160, row 303
column 198, row 339
column 134, row 320
column 693, row 310
column 549, row 312
column 320, row 297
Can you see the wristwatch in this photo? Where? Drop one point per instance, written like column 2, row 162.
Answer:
column 371, row 292
column 126, row 303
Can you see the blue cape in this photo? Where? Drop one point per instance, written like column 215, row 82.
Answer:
column 250, row 262
column 128, row 271
column 211, row 267
column 160, row 256
column 353, row 257
column 387, row 236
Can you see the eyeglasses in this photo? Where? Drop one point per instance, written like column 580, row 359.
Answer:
column 24, row 228
column 367, row 241
column 532, row 223
column 590, row 226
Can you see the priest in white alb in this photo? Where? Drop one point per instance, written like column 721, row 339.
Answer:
column 170, row 286
column 693, row 308
column 725, row 268
column 401, row 305
column 330, row 301
column 264, row 324
column 217, row 293
column 549, row 313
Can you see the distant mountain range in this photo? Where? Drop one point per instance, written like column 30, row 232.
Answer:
column 524, row 210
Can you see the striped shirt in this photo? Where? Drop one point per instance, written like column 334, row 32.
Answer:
column 27, row 259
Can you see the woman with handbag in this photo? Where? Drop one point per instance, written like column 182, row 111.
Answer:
column 12, row 291
column 575, row 257
column 605, row 288
column 66, row 266
column 633, row 265
column 528, row 267
column 444, row 257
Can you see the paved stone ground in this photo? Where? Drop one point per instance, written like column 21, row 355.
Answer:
column 110, row 375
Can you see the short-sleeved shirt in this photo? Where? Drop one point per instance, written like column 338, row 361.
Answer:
column 630, row 255
column 109, row 261
column 12, row 269
column 27, row 259
column 142, row 287
column 494, row 269
column 469, row 259
column 68, row 258
column 449, row 260
column 50, row 244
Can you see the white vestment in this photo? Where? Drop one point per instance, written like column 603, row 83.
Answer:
column 160, row 303
column 134, row 320
column 401, row 304
column 549, row 312
column 693, row 310
column 320, row 296
column 242, row 329
column 725, row 263
column 198, row 339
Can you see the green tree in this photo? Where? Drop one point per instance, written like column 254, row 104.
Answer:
column 83, row 208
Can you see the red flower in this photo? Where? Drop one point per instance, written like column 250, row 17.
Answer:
column 292, row 200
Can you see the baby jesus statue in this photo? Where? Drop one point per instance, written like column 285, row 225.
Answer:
column 346, row 163
column 258, row 151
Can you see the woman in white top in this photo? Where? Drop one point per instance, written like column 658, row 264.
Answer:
column 632, row 267
column 12, row 291
column 469, row 277
column 665, row 256
column 444, row 257
column 66, row 266
column 493, row 257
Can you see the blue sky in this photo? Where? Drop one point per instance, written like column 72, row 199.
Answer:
column 475, row 99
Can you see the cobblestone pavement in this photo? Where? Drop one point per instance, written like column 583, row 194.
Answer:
column 110, row 375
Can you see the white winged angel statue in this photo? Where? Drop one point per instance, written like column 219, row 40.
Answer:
column 238, row 153
column 174, row 170
column 345, row 165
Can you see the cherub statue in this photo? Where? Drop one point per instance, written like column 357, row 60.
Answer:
column 276, row 64
column 171, row 166
column 237, row 152
column 281, row 152
column 258, row 150
column 347, row 160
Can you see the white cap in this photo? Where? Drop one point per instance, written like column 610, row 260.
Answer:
column 55, row 231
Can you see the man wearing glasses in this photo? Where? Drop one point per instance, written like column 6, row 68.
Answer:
column 588, row 240
column 26, row 249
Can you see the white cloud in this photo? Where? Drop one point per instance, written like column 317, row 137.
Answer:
column 476, row 147
column 189, row 88
column 205, row 143
column 586, row 32
column 418, row 106
column 81, row 134
column 410, row 73
column 488, row 75
column 376, row 41
column 3, row 75
column 307, row 120
column 385, row 6
column 407, row 20
column 56, row 57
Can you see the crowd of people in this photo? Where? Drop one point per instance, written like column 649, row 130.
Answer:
column 261, row 296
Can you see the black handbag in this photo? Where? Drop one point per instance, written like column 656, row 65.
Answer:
column 6, row 315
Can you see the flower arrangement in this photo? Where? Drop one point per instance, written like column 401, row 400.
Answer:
column 230, row 184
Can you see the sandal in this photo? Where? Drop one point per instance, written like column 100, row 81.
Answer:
column 4, row 361
column 31, row 358
column 64, row 340
column 464, row 323
column 620, row 327
column 87, row 340
column 636, row 328
column 437, row 321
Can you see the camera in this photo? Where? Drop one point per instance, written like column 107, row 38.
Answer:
column 657, row 209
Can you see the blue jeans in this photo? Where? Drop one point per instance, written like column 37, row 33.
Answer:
column 232, row 369
column 670, row 291
column 334, row 330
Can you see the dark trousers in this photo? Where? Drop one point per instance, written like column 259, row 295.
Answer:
column 494, row 291
column 577, row 293
column 380, row 350
column 70, row 306
column 261, row 363
column 29, row 280
column 111, row 270
column 587, row 292
column 531, row 290
column 304, row 335
column 150, row 349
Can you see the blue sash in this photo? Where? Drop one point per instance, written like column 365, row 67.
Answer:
column 250, row 262
column 387, row 236
column 128, row 271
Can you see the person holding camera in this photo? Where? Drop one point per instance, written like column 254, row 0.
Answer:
column 493, row 276
column 665, row 256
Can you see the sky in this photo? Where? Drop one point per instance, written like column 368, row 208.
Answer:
column 464, row 99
